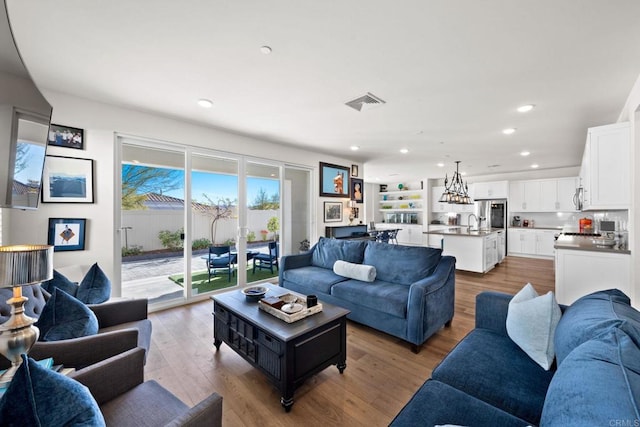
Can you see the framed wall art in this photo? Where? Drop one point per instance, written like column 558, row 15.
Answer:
column 357, row 190
column 67, row 180
column 66, row 136
column 334, row 180
column 332, row 211
column 354, row 170
column 67, row 234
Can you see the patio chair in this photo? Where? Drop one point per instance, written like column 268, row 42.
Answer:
column 267, row 260
column 220, row 258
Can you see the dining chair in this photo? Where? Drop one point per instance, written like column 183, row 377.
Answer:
column 267, row 260
column 393, row 236
column 220, row 258
column 382, row 236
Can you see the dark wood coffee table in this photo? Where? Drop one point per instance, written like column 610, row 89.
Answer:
column 287, row 353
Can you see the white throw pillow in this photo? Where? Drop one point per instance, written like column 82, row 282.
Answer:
column 531, row 323
column 365, row 273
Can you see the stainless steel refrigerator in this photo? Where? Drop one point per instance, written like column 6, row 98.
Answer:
column 492, row 215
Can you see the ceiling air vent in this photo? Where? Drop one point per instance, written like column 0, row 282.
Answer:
column 365, row 102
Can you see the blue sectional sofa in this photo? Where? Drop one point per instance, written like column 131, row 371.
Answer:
column 487, row 380
column 411, row 297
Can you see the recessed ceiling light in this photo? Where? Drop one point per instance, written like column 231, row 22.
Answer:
column 354, row 148
column 441, row 165
column 205, row 103
column 525, row 108
column 524, row 153
column 534, row 166
column 508, row 131
column 404, row 150
column 265, row 49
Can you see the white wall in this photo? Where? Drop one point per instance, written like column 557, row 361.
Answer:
column 100, row 122
column 631, row 113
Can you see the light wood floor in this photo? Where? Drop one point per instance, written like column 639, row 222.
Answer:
column 381, row 376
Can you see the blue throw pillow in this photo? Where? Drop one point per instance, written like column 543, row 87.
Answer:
column 598, row 383
column 328, row 251
column 401, row 264
column 95, row 287
column 64, row 317
column 38, row 396
column 61, row 282
column 590, row 316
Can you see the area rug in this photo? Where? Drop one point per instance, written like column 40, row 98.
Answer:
column 200, row 279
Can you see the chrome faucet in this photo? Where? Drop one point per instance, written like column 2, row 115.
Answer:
column 469, row 222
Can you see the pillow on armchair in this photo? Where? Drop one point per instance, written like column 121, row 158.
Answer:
column 64, row 317
column 38, row 396
column 95, row 287
column 61, row 282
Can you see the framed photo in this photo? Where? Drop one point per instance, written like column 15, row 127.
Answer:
column 357, row 190
column 334, row 180
column 67, row 180
column 67, row 234
column 66, row 136
column 354, row 170
column 332, row 211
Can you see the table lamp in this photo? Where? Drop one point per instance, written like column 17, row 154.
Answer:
column 21, row 265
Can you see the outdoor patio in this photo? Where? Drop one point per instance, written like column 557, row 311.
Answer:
column 149, row 278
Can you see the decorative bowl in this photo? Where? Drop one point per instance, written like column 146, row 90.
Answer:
column 254, row 293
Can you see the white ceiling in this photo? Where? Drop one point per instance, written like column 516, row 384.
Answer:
column 452, row 72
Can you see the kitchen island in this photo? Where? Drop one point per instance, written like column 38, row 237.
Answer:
column 475, row 250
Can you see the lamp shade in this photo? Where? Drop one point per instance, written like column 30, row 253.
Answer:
column 25, row 265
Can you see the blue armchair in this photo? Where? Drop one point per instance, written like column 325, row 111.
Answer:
column 220, row 258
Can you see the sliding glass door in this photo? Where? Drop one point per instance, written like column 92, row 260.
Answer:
column 262, row 230
column 214, row 222
column 195, row 221
column 152, row 222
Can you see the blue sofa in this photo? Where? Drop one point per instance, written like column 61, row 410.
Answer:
column 487, row 380
column 411, row 297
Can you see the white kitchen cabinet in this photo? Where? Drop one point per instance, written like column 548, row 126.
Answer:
column 489, row 190
column 436, row 206
column 502, row 245
column 531, row 242
column 566, row 190
column 525, row 196
column 542, row 195
column 545, row 240
column 490, row 251
column 410, row 235
column 606, row 165
column 522, row 241
column 579, row 273
column 557, row 195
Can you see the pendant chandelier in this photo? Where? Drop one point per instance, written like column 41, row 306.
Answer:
column 456, row 191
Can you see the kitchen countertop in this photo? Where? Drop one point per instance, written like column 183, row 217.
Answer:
column 462, row 231
column 584, row 243
column 536, row 228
